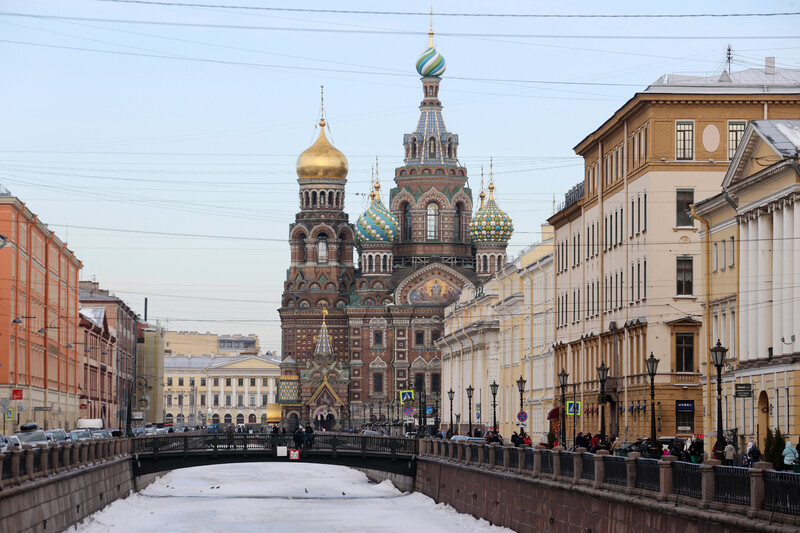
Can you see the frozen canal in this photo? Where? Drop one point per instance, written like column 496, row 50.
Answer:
column 277, row 497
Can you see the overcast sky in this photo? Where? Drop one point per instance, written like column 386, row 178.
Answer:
column 159, row 140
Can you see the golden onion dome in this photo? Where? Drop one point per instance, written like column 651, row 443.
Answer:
column 321, row 159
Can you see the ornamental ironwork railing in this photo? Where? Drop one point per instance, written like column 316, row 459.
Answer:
column 647, row 476
column 616, row 471
column 498, row 455
column 567, row 463
column 782, row 492
column 732, row 485
column 547, row 462
column 686, row 479
column 513, row 458
column 529, row 459
column 587, row 460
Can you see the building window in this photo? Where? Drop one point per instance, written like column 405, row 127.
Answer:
column 419, row 382
column 732, row 254
column 264, row 382
column 169, row 400
column 716, row 257
column 723, row 254
column 252, row 400
column 684, row 416
column 684, row 352
column 436, row 383
column 202, row 382
column 322, row 248
column 202, row 399
column 240, row 382
column 180, row 382
column 407, row 222
column 684, row 140
column 191, row 382
column 216, row 382
column 419, row 338
column 435, row 335
column 735, row 133
column 457, row 223
column 180, row 399
column 378, row 338
column 227, row 382
column 377, row 382
column 264, row 399
column 684, row 274
column 683, row 199
column 644, row 278
column 252, row 382
column 216, row 400
column 433, row 222
column 169, row 382
column 240, row 400
column 228, row 400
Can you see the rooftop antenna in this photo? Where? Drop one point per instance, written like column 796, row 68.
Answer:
column 729, row 57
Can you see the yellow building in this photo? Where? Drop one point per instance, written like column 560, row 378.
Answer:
column 221, row 389
column 148, row 392
column 752, row 281
column 628, row 250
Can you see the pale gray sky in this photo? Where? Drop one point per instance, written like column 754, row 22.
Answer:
column 160, row 139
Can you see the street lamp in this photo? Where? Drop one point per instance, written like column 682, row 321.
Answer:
column 562, row 380
column 451, row 394
column 652, row 367
column 521, row 386
column 718, row 357
column 602, row 372
column 494, row 387
column 470, row 390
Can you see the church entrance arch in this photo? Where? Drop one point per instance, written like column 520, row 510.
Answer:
column 330, row 422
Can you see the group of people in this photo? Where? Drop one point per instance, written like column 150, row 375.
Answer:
column 303, row 437
column 522, row 438
column 593, row 443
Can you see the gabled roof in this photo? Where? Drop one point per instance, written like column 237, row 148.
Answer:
column 781, row 135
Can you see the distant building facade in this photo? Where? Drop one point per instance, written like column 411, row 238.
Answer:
column 194, row 343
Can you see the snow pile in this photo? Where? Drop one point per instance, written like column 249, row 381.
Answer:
column 277, row 497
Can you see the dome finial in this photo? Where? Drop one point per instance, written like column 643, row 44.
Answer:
column 321, row 106
column 377, row 185
column 430, row 31
column 482, row 195
column 491, row 179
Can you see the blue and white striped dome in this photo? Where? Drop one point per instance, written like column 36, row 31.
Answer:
column 431, row 63
column 377, row 224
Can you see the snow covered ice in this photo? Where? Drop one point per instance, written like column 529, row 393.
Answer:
column 277, row 497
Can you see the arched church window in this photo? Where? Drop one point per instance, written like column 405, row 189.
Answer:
column 369, row 263
column 413, row 147
column 485, row 264
column 384, row 267
column 330, row 199
column 322, row 198
column 457, row 223
column 322, row 248
column 407, row 222
column 433, row 222
column 314, row 198
column 432, row 147
column 302, row 238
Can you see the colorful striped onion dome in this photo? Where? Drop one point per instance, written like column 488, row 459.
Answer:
column 431, row 62
column 377, row 224
column 491, row 224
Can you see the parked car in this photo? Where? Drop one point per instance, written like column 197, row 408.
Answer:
column 467, row 439
column 56, row 435
column 371, row 432
column 32, row 437
column 12, row 440
column 101, row 434
column 78, row 435
column 3, row 444
column 138, row 432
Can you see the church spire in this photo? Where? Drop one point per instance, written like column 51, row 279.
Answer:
column 324, row 345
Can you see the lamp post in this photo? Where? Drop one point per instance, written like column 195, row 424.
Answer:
column 602, row 373
column 470, row 390
column 718, row 357
column 652, row 366
column 521, row 386
column 451, row 394
column 562, row 380
column 493, row 388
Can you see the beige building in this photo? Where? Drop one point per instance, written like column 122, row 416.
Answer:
column 194, row 343
column 221, row 389
column 470, row 351
column 148, row 392
column 752, row 279
column 628, row 250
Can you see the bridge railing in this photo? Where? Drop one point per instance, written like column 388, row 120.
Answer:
column 27, row 463
column 757, row 492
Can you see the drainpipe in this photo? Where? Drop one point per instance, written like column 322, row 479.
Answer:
column 707, row 313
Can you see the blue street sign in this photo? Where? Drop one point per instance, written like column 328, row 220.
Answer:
column 573, row 408
column 406, row 396
column 522, row 416
column 478, row 412
column 429, row 410
column 408, row 410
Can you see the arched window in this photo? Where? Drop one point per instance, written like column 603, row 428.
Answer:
column 485, row 264
column 322, row 198
column 407, row 222
column 369, row 263
column 322, row 248
column 240, row 418
column 302, row 238
column 432, row 147
column 457, row 223
column 433, row 222
column 499, row 262
column 385, row 263
column 330, row 198
column 413, row 144
column 314, row 198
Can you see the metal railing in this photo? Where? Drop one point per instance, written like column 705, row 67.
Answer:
column 486, row 451
column 587, row 461
column 529, row 459
column 647, row 476
column 732, row 485
column 498, row 455
column 547, row 462
column 616, row 471
column 686, row 479
column 567, row 463
column 513, row 457
column 781, row 490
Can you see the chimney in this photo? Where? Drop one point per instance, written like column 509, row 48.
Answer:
column 769, row 66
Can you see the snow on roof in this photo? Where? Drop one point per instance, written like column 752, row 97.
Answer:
column 95, row 315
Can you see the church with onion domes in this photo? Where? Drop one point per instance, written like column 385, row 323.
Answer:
column 354, row 334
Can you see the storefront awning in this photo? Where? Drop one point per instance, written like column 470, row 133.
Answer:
column 554, row 414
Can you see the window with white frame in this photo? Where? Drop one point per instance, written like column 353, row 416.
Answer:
column 735, row 133
column 684, row 140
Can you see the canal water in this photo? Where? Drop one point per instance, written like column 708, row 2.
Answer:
column 277, row 497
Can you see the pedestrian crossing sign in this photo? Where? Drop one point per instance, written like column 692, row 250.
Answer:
column 10, row 414
column 574, row 408
column 406, row 396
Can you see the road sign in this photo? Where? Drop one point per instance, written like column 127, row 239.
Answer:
column 429, row 410
column 9, row 414
column 408, row 410
column 16, row 394
column 294, row 455
column 522, row 416
column 573, row 408
column 478, row 412
column 48, row 408
column 406, row 396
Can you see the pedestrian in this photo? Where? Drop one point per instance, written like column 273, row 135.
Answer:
column 231, row 445
column 790, row 455
column 449, row 434
column 309, row 436
column 526, row 440
column 729, row 453
column 514, row 438
column 754, row 453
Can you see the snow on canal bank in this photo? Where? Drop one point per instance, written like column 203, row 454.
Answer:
column 277, row 497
